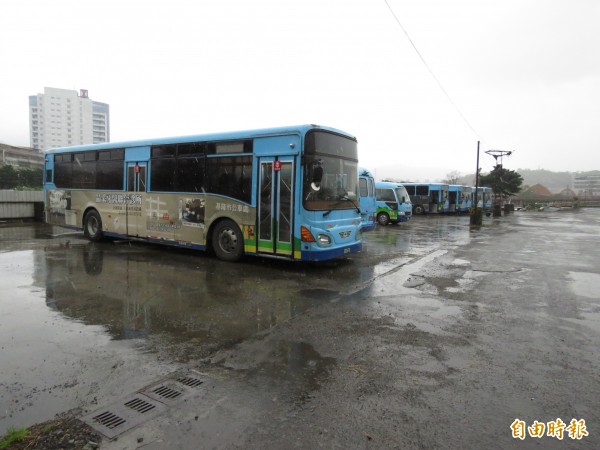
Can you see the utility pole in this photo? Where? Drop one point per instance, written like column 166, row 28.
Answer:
column 476, row 211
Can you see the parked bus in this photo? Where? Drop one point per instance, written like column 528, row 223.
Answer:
column 459, row 198
column 429, row 198
column 484, row 197
column 366, row 195
column 393, row 203
column 281, row 192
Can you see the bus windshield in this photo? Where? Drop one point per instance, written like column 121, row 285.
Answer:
column 331, row 164
column 402, row 194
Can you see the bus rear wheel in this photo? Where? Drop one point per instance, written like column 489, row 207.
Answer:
column 228, row 241
column 383, row 219
column 92, row 226
column 419, row 209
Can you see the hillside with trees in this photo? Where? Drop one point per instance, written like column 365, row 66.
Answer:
column 554, row 181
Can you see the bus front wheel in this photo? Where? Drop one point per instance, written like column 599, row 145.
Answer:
column 92, row 226
column 419, row 209
column 228, row 241
column 383, row 219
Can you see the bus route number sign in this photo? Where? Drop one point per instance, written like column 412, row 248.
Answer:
column 277, row 166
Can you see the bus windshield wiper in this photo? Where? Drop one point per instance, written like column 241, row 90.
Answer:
column 342, row 197
column 345, row 197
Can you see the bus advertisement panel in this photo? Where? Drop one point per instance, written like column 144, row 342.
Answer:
column 429, row 198
column 484, row 197
column 366, row 195
column 459, row 198
column 393, row 203
column 281, row 192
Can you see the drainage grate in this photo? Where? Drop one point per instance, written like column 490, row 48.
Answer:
column 166, row 393
column 190, row 381
column 175, row 390
column 119, row 417
column 139, row 405
column 109, row 420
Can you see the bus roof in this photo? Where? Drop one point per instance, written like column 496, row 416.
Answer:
column 424, row 184
column 387, row 184
column 223, row 136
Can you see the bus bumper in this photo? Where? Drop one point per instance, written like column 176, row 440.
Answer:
column 333, row 253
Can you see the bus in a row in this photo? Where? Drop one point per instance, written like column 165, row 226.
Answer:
column 367, row 199
column 288, row 192
column 393, row 203
column 484, row 197
column 459, row 198
column 428, row 198
column 436, row 198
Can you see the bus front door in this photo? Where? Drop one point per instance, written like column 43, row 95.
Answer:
column 136, row 185
column 276, row 206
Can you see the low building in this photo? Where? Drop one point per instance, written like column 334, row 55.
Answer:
column 587, row 185
column 535, row 191
column 23, row 157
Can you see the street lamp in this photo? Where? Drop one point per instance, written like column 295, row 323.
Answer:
column 498, row 155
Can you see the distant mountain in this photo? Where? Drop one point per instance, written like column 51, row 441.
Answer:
column 554, row 181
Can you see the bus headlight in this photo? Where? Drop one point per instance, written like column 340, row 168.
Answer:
column 323, row 239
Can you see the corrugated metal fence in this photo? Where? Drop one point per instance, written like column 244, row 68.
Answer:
column 21, row 205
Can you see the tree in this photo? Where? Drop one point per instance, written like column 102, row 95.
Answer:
column 18, row 178
column 503, row 182
column 453, row 177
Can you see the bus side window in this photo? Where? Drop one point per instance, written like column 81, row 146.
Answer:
column 386, row 195
column 363, row 189
column 422, row 190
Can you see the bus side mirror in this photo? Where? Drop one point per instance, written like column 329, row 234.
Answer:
column 315, row 185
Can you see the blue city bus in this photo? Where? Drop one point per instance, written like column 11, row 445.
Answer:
column 429, row 198
column 393, row 203
column 459, row 198
column 286, row 192
column 366, row 195
column 484, row 197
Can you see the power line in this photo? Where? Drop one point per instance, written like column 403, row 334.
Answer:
column 433, row 74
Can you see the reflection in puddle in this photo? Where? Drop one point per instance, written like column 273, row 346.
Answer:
column 140, row 294
column 323, row 294
column 296, row 367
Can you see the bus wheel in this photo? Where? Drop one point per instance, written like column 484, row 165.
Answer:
column 92, row 226
column 419, row 209
column 383, row 219
column 227, row 241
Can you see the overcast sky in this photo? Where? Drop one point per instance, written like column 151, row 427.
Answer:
column 522, row 75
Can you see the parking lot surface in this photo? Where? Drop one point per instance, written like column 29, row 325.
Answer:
column 437, row 335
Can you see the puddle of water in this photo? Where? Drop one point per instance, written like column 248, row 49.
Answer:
column 323, row 294
column 396, row 279
column 585, row 284
column 48, row 362
column 460, row 262
column 463, row 285
column 297, row 365
column 77, row 320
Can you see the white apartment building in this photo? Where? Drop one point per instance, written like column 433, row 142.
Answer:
column 588, row 184
column 63, row 117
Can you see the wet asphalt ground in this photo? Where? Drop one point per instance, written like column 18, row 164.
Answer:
column 436, row 336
